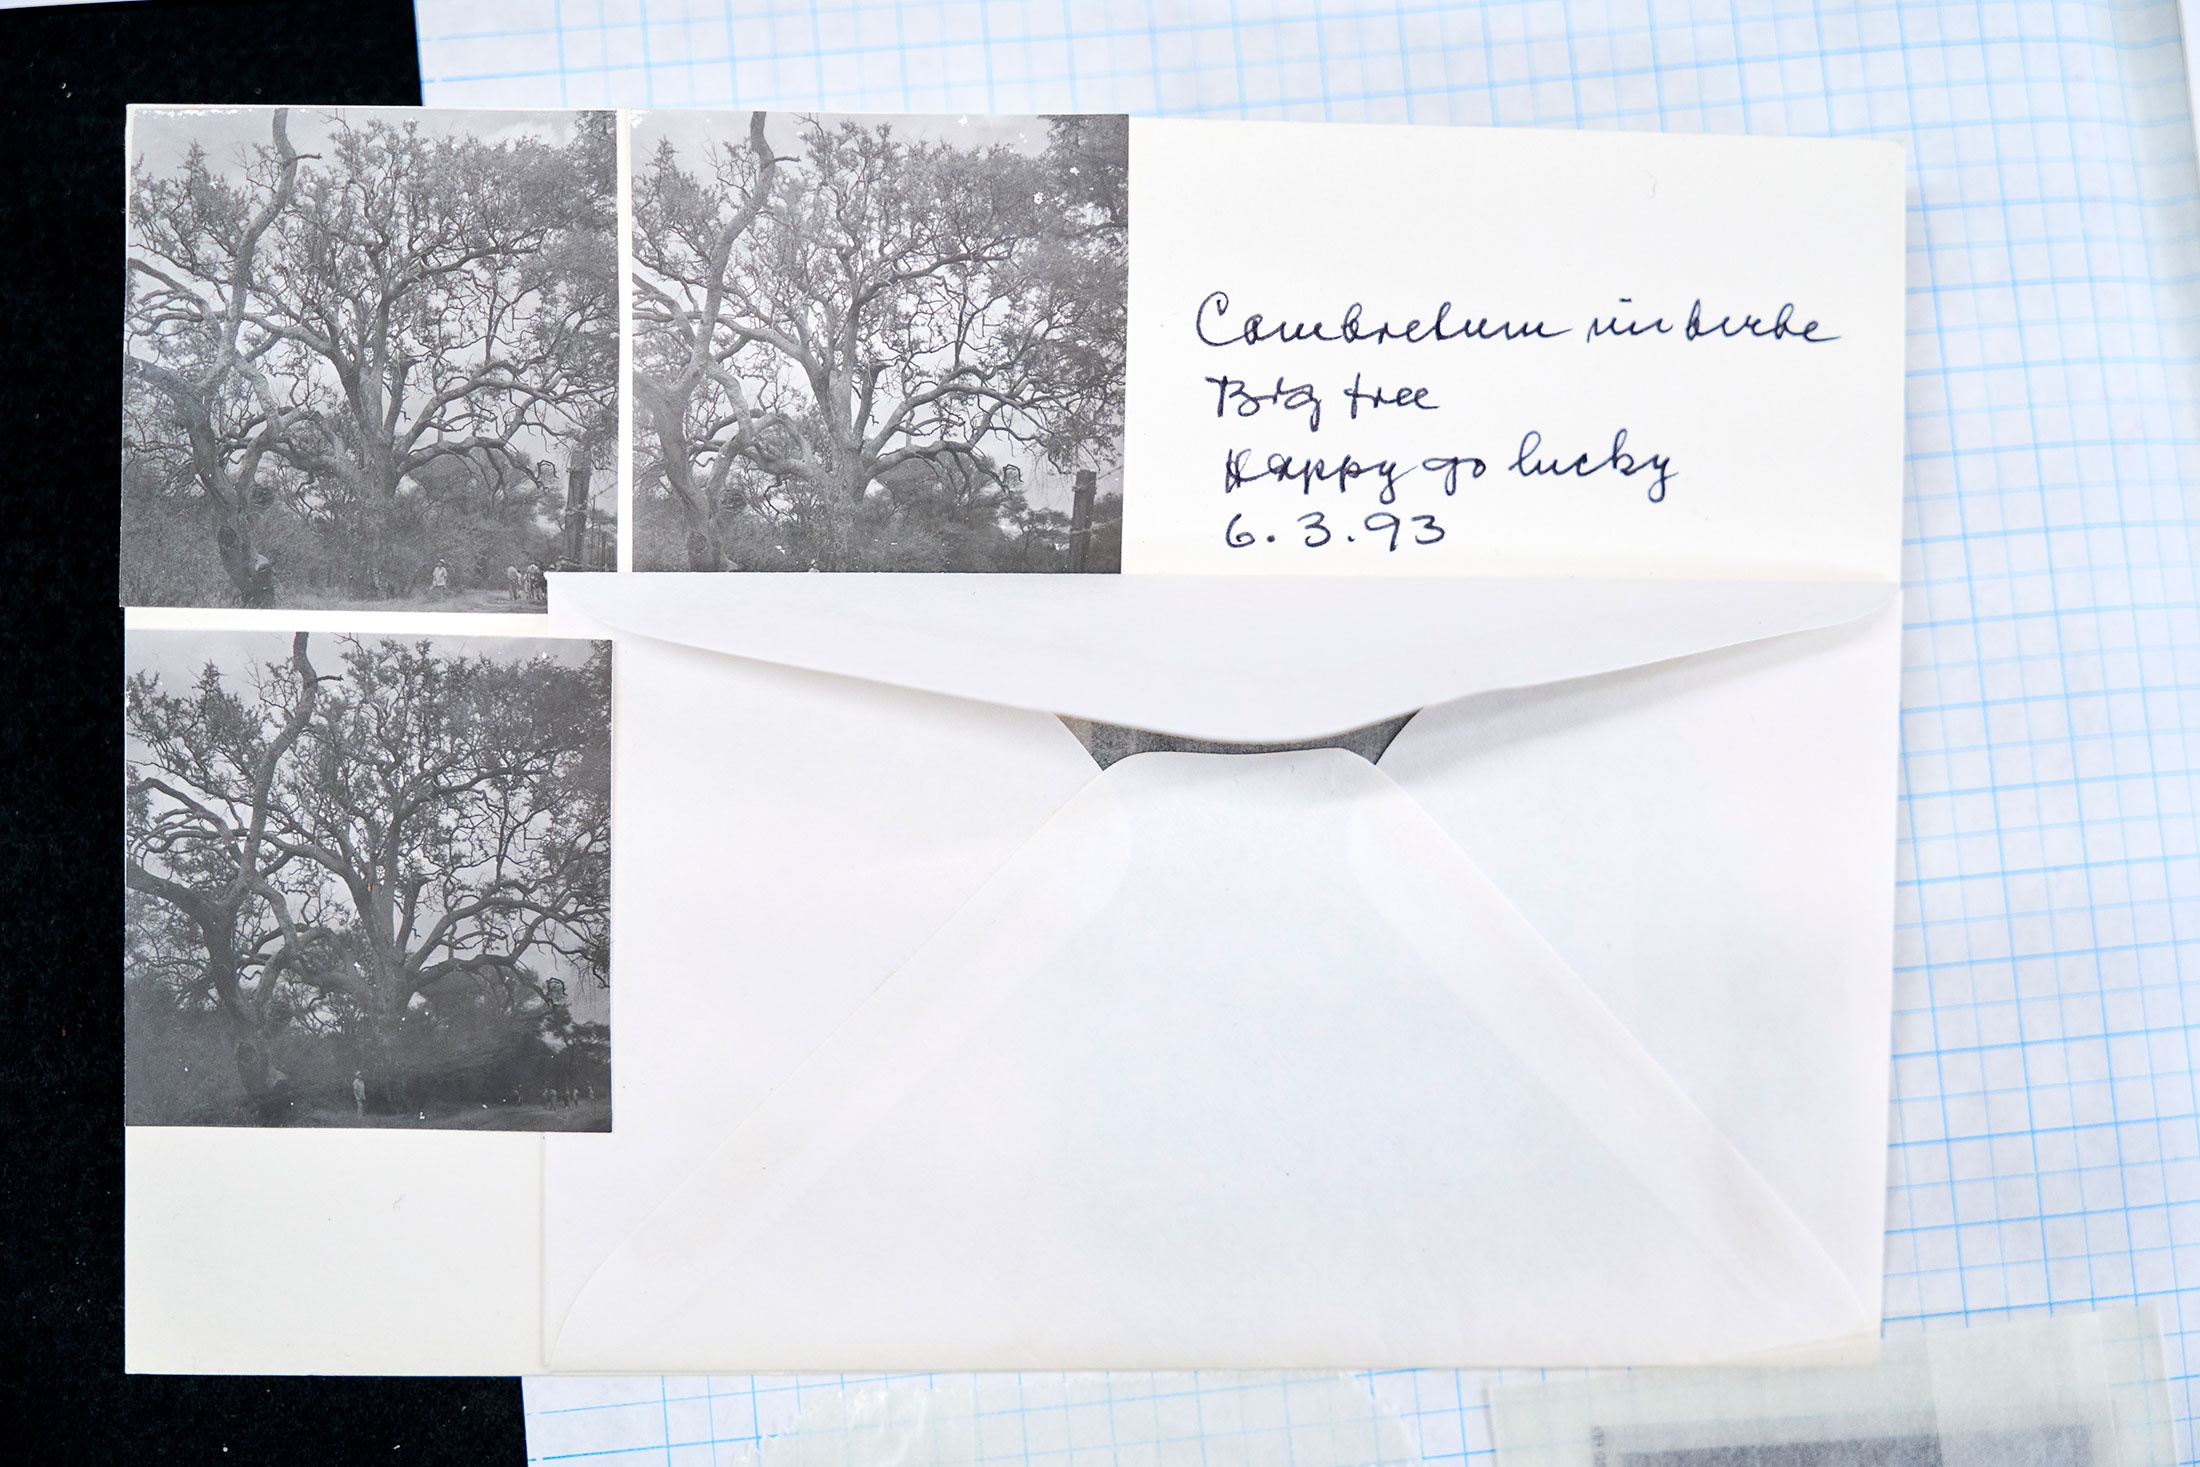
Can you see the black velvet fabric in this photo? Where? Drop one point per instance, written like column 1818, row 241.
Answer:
column 65, row 77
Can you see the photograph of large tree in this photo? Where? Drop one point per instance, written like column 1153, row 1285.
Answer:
column 370, row 357
column 367, row 882
column 878, row 344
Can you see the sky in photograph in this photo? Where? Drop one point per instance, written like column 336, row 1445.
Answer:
column 692, row 132
column 177, row 657
column 161, row 137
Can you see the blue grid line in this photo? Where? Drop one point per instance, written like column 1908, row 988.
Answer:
column 2045, row 1132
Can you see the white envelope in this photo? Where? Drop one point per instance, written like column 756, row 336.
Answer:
column 1558, row 1036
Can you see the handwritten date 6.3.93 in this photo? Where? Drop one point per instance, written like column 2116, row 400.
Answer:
column 1314, row 529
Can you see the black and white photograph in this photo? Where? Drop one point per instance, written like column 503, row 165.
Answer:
column 367, row 881
column 878, row 343
column 370, row 357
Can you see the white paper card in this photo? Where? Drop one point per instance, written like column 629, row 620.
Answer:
column 1392, row 350
column 1557, row 1036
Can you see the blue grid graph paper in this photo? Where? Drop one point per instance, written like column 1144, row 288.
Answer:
column 2045, row 1153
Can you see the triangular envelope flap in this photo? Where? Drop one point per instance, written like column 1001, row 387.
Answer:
column 1118, row 1114
column 1237, row 658
column 781, row 843
column 1709, row 845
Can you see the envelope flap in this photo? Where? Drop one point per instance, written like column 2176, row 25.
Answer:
column 1112, row 1115
column 1231, row 658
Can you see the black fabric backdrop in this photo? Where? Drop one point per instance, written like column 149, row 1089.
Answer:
column 65, row 76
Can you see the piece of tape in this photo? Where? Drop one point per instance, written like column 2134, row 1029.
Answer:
column 2087, row 1389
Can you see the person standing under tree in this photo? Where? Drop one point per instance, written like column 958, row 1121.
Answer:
column 261, row 593
column 440, row 581
column 359, row 1094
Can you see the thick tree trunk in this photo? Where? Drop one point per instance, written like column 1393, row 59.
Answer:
column 663, row 408
column 251, row 573
column 228, row 492
column 233, row 544
column 256, row 1071
column 832, row 528
column 704, row 553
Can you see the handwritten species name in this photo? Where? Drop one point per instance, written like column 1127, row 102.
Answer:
column 1782, row 326
column 1354, row 329
column 1211, row 322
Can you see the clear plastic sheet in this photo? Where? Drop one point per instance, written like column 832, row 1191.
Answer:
column 2070, row 1390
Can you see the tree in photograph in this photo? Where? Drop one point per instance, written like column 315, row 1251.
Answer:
column 419, row 843
column 461, row 805
column 198, row 841
column 218, row 409
column 363, row 312
column 879, row 312
column 687, row 232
